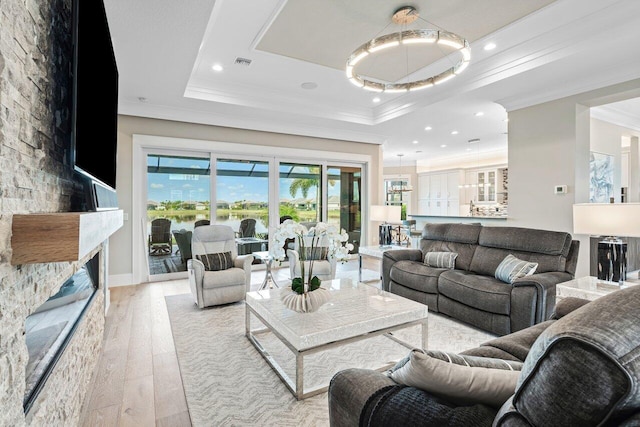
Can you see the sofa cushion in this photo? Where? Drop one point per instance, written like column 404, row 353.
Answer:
column 461, row 233
column 459, row 238
column 526, row 240
column 486, row 260
column 514, row 346
column 585, row 368
column 461, row 379
column 485, row 293
column 441, row 259
column 416, row 275
column 400, row 405
column 219, row 279
column 547, row 248
column 512, row 268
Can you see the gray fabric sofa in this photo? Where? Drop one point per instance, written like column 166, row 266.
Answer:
column 580, row 368
column 470, row 292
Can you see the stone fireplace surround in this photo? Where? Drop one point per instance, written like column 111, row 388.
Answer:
column 36, row 177
column 60, row 399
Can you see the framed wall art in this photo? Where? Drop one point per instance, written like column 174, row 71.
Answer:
column 601, row 177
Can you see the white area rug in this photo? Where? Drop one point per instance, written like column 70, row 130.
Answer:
column 228, row 383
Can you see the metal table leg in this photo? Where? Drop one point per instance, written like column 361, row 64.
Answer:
column 268, row 277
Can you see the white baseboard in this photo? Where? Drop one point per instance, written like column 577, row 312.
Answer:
column 121, row 280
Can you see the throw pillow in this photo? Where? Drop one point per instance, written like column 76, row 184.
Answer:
column 441, row 259
column 463, row 380
column 512, row 268
column 217, row 261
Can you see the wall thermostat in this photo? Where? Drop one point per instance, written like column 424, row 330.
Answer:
column 560, row 189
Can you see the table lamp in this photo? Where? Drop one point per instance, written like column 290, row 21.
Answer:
column 610, row 221
column 385, row 214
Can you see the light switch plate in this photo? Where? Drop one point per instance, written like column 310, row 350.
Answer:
column 560, row 189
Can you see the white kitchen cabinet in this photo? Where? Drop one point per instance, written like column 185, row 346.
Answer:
column 486, row 187
column 439, row 193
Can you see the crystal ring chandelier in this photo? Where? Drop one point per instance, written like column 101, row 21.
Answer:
column 405, row 15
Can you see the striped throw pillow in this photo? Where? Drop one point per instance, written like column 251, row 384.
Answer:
column 441, row 259
column 216, row 261
column 512, row 268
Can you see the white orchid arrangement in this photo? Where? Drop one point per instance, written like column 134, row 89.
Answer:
column 289, row 229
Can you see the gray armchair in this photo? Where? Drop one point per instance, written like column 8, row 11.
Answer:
column 218, row 284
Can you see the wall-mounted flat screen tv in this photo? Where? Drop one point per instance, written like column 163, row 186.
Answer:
column 94, row 112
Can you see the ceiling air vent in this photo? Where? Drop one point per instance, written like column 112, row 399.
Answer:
column 243, row 61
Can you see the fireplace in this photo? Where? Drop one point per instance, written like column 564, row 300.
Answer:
column 50, row 328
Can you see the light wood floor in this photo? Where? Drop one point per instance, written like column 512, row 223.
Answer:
column 137, row 381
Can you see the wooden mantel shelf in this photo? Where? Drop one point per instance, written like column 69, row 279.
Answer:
column 59, row 237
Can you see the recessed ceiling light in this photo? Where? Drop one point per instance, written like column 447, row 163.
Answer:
column 505, row 120
column 376, row 99
column 468, row 149
column 217, row 67
column 428, row 128
column 415, row 141
column 309, row 85
column 443, row 145
column 489, row 46
column 479, row 114
column 455, row 132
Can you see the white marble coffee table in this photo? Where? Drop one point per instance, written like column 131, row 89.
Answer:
column 375, row 252
column 355, row 312
column 590, row 288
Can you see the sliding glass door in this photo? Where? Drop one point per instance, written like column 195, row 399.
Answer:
column 300, row 192
column 178, row 195
column 242, row 201
column 344, row 195
column 252, row 195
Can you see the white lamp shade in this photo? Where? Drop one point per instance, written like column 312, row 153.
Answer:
column 607, row 219
column 385, row 213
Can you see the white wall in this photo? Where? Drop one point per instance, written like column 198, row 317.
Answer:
column 543, row 156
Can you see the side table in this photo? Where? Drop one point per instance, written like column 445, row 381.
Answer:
column 267, row 259
column 589, row 288
column 374, row 252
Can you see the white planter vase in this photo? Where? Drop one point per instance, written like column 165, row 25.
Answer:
column 307, row 302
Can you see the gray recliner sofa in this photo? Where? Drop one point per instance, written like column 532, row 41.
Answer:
column 580, row 368
column 470, row 291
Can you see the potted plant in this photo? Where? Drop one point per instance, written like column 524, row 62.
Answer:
column 306, row 294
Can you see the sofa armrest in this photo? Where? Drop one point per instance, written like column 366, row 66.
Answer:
column 349, row 391
column 567, row 305
column 391, row 257
column 533, row 298
column 244, row 262
column 195, row 268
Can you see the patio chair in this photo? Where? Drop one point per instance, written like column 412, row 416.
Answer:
column 160, row 237
column 247, row 228
column 183, row 240
column 217, row 274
